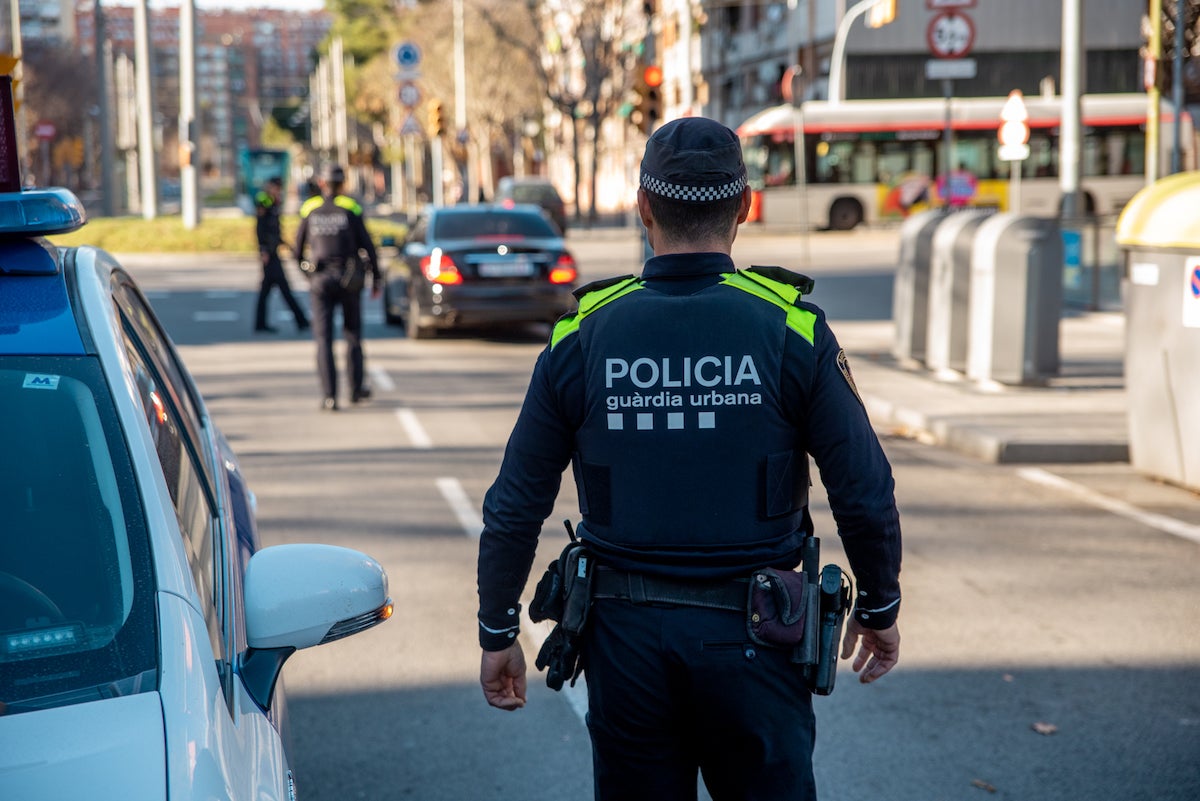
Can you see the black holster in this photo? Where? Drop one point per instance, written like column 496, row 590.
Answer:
column 564, row 595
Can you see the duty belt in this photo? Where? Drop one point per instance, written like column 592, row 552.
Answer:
column 728, row 594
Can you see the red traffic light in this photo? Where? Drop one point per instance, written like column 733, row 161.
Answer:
column 653, row 75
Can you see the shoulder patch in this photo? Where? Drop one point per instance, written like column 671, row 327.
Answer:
column 843, row 363
column 801, row 282
column 603, row 283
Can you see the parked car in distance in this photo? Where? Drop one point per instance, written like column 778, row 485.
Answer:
column 142, row 629
column 538, row 191
column 479, row 266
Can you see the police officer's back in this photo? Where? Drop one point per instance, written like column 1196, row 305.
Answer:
column 337, row 254
column 688, row 401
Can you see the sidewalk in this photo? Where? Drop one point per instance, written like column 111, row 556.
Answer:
column 1077, row 416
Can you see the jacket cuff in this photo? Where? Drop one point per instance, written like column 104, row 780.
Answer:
column 496, row 636
column 881, row 618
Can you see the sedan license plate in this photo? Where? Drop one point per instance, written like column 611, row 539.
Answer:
column 512, row 268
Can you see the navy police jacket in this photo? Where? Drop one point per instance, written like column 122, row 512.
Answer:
column 687, row 402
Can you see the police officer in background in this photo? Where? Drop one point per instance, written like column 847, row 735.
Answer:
column 340, row 255
column 267, row 207
column 689, row 400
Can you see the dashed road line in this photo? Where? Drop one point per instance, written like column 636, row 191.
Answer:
column 381, row 379
column 1167, row 525
column 412, row 426
column 452, row 490
column 216, row 316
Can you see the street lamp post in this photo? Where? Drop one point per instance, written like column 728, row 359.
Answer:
column 837, row 64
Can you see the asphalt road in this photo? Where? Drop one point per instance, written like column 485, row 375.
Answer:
column 1048, row 651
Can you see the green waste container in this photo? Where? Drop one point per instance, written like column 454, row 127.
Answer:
column 1159, row 232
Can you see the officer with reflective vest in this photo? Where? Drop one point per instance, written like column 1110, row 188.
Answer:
column 267, row 207
column 688, row 401
column 340, row 254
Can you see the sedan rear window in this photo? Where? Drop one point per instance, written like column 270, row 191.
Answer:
column 77, row 617
column 490, row 223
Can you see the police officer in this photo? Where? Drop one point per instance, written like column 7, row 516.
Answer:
column 341, row 253
column 689, row 400
column 267, row 207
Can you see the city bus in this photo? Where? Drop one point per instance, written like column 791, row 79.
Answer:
column 871, row 161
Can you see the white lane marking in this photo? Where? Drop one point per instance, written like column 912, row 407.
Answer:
column 534, row 635
column 412, row 426
column 219, row 294
column 1167, row 525
column 216, row 316
column 381, row 379
column 452, row 490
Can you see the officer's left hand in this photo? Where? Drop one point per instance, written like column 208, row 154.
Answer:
column 879, row 653
column 502, row 677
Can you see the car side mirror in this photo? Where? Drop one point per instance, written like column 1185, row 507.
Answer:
column 298, row 596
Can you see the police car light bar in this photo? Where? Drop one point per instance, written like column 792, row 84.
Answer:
column 34, row 212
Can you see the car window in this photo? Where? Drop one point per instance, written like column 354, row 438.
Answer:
column 77, row 613
column 474, row 224
column 182, row 455
column 540, row 194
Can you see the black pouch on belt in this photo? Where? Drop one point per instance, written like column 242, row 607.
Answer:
column 777, row 608
column 564, row 595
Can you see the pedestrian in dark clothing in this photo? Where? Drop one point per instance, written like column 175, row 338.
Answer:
column 340, row 255
column 267, row 206
column 688, row 401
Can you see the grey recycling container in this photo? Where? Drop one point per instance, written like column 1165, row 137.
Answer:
column 949, row 291
column 1159, row 234
column 1015, row 300
column 910, row 294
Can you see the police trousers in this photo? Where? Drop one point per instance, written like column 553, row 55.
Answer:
column 678, row 690
column 327, row 293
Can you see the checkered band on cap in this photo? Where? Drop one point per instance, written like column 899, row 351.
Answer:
column 695, row 194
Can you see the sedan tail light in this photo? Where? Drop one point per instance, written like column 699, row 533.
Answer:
column 440, row 268
column 563, row 272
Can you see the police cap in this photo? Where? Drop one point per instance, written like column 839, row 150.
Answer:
column 333, row 174
column 694, row 159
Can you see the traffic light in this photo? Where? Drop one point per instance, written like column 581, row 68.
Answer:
column 648, row 112
column 882, row 13
column 437, row 119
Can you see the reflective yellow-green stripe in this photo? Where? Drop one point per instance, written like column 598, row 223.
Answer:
column 310, row 204
column 588, row 304
column 802, row 321
column 341, row 201
column 348, row 203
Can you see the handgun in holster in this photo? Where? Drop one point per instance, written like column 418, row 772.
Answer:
column 829, row 596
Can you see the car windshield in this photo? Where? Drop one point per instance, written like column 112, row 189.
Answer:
column 481, row 224
column 77, row 616
column 542, row 194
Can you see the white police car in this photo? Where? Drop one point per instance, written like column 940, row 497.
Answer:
column 142, row 631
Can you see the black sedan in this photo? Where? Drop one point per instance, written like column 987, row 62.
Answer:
column 476, row 266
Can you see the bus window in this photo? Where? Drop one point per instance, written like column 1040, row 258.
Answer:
column 862, row 168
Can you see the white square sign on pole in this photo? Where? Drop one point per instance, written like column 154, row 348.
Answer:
column 1191, row 292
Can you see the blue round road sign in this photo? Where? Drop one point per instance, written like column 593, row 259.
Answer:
column 407, row 54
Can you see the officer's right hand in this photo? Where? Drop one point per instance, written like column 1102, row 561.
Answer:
column 880, row 646
column 502, row 677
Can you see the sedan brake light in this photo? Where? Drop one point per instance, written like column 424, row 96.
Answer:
column 563, row 272
column 440, row 268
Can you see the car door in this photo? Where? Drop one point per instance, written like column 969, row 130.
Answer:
column 222, row 738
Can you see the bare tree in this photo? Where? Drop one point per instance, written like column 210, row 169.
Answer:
column 584, row 57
